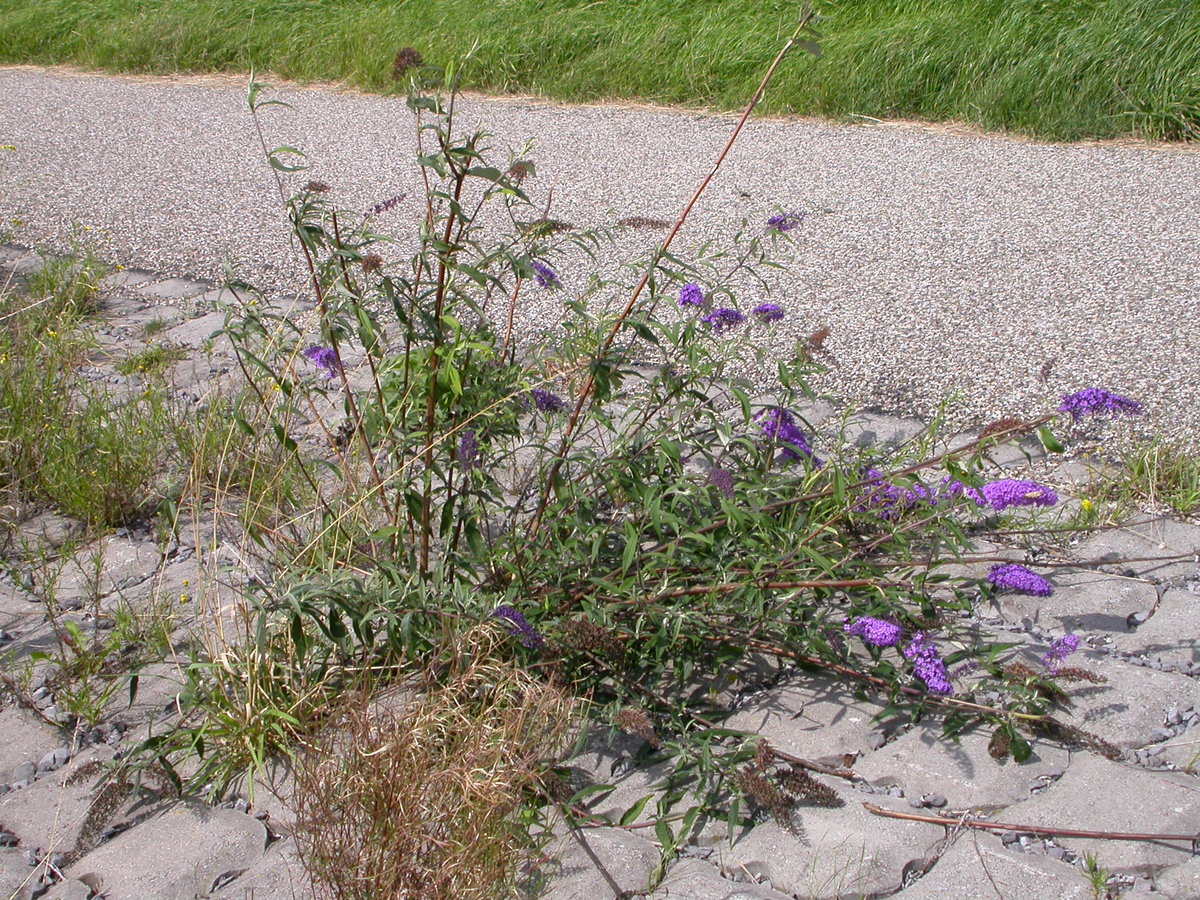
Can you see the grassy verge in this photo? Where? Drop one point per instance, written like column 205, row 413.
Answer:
column 1062, row 71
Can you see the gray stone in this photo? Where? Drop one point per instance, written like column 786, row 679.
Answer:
column 979, row 866
column 279, row 875
column 53, row 760
column 611, row 857
column 47, row 530
column 1096, row 794
column 962, row 774
column 71, row 889
column 15, row 878
column 191, row 846
column 25, row 771
column 870, row 429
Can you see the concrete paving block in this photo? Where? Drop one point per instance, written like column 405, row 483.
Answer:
column 1181, row 882
column 177, row 855
column 602, row 862
column 1083, row 602
column 174, row 288
column 979, row 867
column 1130, row 705
column 694, row 879
column 1097, row 794
column 49, row 812
column 198, row 333
column 123, row 564
column 278, row 875
column 813, row 719
column 125, row 278
column 1142, row 537
column 840, row 853
column 878, row 430
column 922, row 762
column 1171, row 634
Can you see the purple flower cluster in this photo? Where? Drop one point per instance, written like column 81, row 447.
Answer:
column 691, row 295
column 768, row 312
column 384, row 205
column 324, row 358
column 468, row 450
column 784, row 221
column 518, row 627
column 1020, row 580
column 927, row 664
column 779, row 426
column 547, row 402
column 723, row 319
column 545, row 275
column 1092, row 401
column 876, row 632
column 722, row 479
column 1060, row 649
column 1000, row 495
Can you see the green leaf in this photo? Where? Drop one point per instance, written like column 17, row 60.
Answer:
column 282, row 166
column 1021, row 750
column 133, row 688
column 1049, row 441
column 631, row 815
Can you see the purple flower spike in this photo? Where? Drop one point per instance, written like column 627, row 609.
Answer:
column 1060, row 649
column 779, row 425
column 768, row 312
column 468, row 450
column 1019, row 580
column 518, row 627
column 721, row 320
column 691, row 295
column 876, row 632
column 927, row 665
column 722, row 480
column 324, row 358
column 1094, row 401
column 545, row 275
column 784, row 221
column 1000, row 495
column 548, row 402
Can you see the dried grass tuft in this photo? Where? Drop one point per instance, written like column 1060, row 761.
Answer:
column 419, row 804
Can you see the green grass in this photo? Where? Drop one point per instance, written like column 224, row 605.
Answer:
column 1057, row 69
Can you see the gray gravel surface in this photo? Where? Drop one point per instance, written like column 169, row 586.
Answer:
column 944, row 263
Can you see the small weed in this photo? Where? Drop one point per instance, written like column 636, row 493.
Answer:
column 153, row 327
column 1163, row 474
column 153, row 361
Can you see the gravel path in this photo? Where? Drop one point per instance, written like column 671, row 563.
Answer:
column 943, row 263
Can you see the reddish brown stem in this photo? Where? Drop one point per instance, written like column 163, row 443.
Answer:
column 1027, row 829
column 590, row 384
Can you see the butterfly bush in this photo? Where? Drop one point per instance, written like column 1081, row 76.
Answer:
column 545, row 401
column 691, row 295
column 1060, row 649
column 783, row 222
column 723, row 319
column 1002, row 494
column 779, row 425
column 325, row 359
column 876, row 632
column 519, row 627
column 927, row 664
column 546, row 276
column 1096, row 401
column 1020, row 580
column 768, row 313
